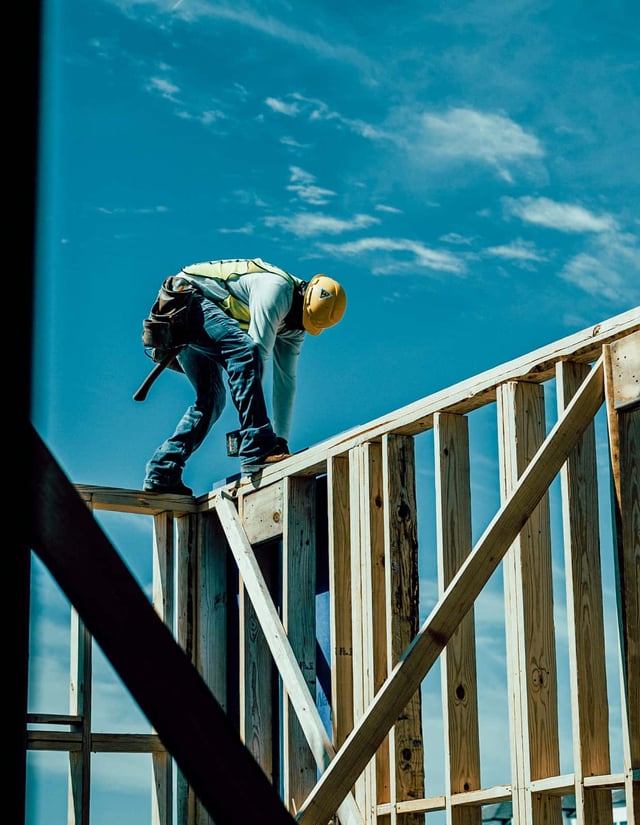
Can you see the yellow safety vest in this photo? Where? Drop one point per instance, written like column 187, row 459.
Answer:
column 227, row 270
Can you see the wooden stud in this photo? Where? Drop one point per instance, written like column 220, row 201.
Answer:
column 364, row 463
column 589, row 704
column 458, row 661
column 80, row 701
column 186, row 596
column 258, row 698
column 299, row 621
column 622, row 374
column 163, row 600
column 338, row 508
column 210, row 594
column 402, row 600
column 531, row 656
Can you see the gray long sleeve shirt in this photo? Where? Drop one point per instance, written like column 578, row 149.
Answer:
column 267, row 292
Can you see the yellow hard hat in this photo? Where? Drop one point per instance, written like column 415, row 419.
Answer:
column 324, row 304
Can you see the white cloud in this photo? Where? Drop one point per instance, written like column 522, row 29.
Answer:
column 289, row 109
column 142, row 210
column 456, row 238
column 318, row 111
column 587, row 272
column 164, row 87
column 294, row 144
column 466, row 134
column 518, row 250
column 194, row 11
column 206, row 118
column 189, row 110
column 249, row 197
column 248, row 229
column 381, row 207
column 303, row 184
column 609, row 269
column 306, row 224
column 565, row 217
column 299, row 175
column 421, row 256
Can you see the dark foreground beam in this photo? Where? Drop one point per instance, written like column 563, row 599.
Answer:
column 158, row 674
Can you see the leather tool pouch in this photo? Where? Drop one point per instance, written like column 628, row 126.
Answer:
column 167, row 325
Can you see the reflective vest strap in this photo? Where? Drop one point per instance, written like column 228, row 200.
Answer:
column 231, row 269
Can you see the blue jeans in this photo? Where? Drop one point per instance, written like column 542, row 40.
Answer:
column 217, row 344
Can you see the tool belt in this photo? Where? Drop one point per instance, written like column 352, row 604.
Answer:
column 167, row 325
column 165, row 331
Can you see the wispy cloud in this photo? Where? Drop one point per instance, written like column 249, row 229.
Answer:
column 307, row 224
column 206, row 117
column 304, row 186
column 242, row 15
column 292, row 143
column 464, row 134
column 315, row 110
column 191, row 110
column 381, row 207
column 456, row 238
column 565, row 217
column 163, row 87
column 418, row 256
column 249, row 197
column 142, row 210
column 518, row 250
column 248, row 229
column 609, row 269
column 282, row 107
column 609, row 265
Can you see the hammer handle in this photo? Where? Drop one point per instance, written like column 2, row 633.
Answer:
column 142, row 391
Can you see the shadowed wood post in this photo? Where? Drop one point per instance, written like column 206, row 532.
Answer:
column 459, row 679
column 211, row 595
column 163, row 599
column 258, row 693
column 339, row 549
column 186, row 624
column 589, row 704
column 299, row 621
column 622, row 370
column 80, row 702
column 402, row 598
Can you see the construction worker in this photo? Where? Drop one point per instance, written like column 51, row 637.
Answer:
column 243, row 313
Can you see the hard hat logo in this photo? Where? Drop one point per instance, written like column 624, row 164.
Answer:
column 324, row 304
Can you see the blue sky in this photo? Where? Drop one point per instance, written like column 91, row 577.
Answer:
column 468, row 170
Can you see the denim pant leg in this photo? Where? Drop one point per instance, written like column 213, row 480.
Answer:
column 205, row 374
column 240, row 357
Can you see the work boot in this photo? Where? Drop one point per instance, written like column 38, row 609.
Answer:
column 266, row 461
column 273, row 458
column 179, row 489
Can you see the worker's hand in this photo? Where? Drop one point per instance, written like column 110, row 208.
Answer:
column 283, row 445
